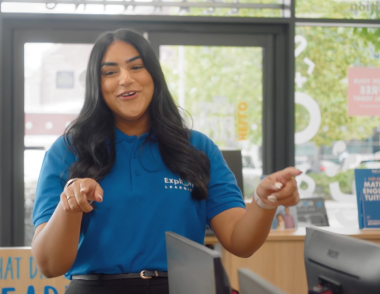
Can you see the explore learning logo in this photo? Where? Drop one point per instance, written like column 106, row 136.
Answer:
column 178, row 184
column 369, row 6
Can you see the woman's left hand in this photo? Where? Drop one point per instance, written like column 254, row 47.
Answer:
column 279, row 188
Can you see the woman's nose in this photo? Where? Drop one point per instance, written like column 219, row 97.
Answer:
column 125, row 78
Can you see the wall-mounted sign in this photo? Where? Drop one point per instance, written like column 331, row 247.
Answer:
column 363, row 91
column 19, row 274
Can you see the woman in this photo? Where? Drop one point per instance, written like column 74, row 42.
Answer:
column 280, row 222
column 130, row 153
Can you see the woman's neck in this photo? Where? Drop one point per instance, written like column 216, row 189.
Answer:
column 133, row 128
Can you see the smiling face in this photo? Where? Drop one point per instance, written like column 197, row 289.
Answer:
column 127, row 87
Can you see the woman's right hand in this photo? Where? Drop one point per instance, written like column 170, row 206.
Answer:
column 77, row 197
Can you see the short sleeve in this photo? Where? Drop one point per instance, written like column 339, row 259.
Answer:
column 223, row 191
column 53, row 176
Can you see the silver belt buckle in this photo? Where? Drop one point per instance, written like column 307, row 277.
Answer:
column 142, row 275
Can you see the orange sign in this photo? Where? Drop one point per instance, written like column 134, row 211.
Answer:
column 363, row 91
column 19, row 274
column 242, row 121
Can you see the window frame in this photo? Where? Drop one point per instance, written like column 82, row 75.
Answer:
column 278, row 112
column 16, row 29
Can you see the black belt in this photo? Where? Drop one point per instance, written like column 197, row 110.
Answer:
column 143, row 275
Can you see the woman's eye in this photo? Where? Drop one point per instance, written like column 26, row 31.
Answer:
column 107, row 73
column 137, row 67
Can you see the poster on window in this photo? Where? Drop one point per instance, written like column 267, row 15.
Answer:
column 363, row 91
column 19, row 274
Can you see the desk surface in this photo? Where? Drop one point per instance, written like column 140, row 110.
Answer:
column 280, row 260
column 299, row 234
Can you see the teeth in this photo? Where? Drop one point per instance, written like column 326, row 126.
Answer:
column 128, row 94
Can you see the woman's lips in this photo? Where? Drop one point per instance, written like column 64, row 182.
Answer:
column 127, row 96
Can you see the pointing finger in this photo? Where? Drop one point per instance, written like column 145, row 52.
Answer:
column 83, row 202
column 92, row 190
column 289, row 191
column 271, row 183
column 276, row 182
column 287, row 174
column 79, row 201
column 97, row 194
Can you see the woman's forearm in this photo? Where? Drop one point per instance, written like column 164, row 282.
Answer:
column 251, row 230
column 252, row 226
column 55, row 246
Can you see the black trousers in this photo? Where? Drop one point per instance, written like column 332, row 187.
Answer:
column 125, row 286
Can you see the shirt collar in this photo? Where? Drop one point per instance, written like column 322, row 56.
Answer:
column 120, row 136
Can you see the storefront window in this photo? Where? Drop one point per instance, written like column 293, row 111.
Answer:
column 228, row 8
column 338, row 9
column 337, row 114
column 223, row 96
column 54, row 94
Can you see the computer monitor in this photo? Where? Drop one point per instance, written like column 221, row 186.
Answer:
column 251, row 283
column 194, row 268
column 234, row 162
column 342, row 263
column 233, row 159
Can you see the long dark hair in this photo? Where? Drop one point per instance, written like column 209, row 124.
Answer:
column 91, row 137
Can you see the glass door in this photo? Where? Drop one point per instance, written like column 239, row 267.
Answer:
column 222, row 97
column 54, row 85
column 219, row 86
column 222, row 80
column 52, row 67
column 218, row 81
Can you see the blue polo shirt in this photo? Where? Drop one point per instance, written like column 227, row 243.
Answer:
column 142, row 200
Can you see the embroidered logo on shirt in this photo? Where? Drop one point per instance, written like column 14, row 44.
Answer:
column 178, row 184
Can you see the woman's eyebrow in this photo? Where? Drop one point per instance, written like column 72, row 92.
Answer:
column 114, row 63
column 133, row 58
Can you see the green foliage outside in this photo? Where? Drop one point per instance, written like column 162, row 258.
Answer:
column 334, row 50
column 322, row 181
column 338, row 9
column 304, row 9
column 229, row 12
column 234, row 73
column 215, row 81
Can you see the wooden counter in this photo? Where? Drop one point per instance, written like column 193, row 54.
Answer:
column 19, row 274
column 280, row 260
